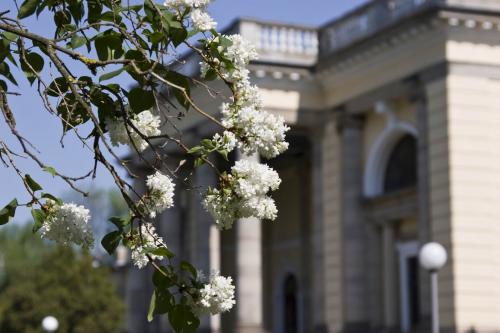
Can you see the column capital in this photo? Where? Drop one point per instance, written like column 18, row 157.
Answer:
column 346, row 120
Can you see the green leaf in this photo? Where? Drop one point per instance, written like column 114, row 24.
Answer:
column 199, row 162
column 27, row 8
column 162, row 252
column 139, row 59
column 51, row 197
column 77, row 10
column 111, row 17
column 161, row 302
column 94, row 8
column 34, row 186
column 61, row 18
column 140, row 99
column 5, row 71
column 120, row 222
column 188, row 267
column 109, row 45
column 58, row 87
column 4, row 49
column 111, row 241
column 165, row 301
column 178, row 36
column 77, row 41
column 10, row 36
column 50, row 170
column 179, row 80
column 33, row 66
column 38, row 217
column 111, row 75
column 163, row 279
column 194, row 149
column 152, row 306
column 8, row 212
column 183, row 319
column 72, row 113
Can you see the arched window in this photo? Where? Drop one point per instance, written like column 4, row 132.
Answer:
column 401, row 167
column 290, row 305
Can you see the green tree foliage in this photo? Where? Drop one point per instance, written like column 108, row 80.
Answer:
column 41, row 280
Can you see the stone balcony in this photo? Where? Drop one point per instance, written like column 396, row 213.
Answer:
column 280, row 43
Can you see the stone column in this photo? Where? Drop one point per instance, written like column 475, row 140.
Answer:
column 318, row 258
column 389, row 277
column 249, row 312
column 424, row 218
column 205, row 240
column 354, row 256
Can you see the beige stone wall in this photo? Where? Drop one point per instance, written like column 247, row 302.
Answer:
column 332, row 237
column 474, row 149
column 385, row 63
column 439, row 187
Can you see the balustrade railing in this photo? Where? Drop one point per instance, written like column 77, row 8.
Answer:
column 281, row 42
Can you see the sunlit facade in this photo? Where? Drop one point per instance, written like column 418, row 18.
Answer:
column 395, row 141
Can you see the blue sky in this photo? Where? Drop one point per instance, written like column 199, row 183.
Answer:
column 45, row 131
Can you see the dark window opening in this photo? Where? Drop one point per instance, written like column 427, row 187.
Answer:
column 401, row 169
column 290, row 299
column 414, row 291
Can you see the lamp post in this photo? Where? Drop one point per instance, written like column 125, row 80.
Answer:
column 433, row 257
column 50, row 324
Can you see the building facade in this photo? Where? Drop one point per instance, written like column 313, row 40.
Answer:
column 394, row 112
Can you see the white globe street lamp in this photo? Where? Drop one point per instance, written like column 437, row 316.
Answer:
column 433, row 257
column 50, row 324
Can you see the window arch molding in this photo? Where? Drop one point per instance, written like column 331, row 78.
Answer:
column 373, row 180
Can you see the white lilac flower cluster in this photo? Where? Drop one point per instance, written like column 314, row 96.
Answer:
column 144, row 242
column 147, row 124
column 200, row 19
column 161, row 193
column 263, row 131
column 244, row 194
column 216, row 296
column 257, row 130
column 227, row 141
column 67, row 223
column 187, row 3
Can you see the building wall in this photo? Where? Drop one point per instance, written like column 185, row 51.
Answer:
column 474, row 161
column 439, row 187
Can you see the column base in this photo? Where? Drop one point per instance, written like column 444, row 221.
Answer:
column 251, row 329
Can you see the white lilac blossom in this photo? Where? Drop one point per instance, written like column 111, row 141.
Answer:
column 186, row 3
column 254, row 179
column 227, row 141
column 216, row 295
column 67, row 223
column 161, row 193
column 241, row 52
column 202, row 20
column 255, row 129
column 243, row 194
column 223, row 206
column 145, row 122
column 146, row 241
column 263, row 132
